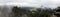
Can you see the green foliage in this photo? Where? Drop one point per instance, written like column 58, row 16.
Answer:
column 35, row 12
column 41, row 13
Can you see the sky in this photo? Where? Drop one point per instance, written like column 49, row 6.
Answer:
column 32, row 3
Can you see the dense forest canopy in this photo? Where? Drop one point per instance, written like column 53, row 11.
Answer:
column 34, row 12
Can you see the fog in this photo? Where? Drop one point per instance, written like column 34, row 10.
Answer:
column 6, row 5
column 32, row 3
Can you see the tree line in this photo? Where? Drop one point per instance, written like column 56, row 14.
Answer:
column 32, row 12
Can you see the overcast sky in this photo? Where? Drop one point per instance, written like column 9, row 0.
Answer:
column 32, row 3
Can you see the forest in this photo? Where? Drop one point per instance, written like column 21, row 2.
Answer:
column 34, row 12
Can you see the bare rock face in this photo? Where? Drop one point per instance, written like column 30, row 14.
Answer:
column 5, row 11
